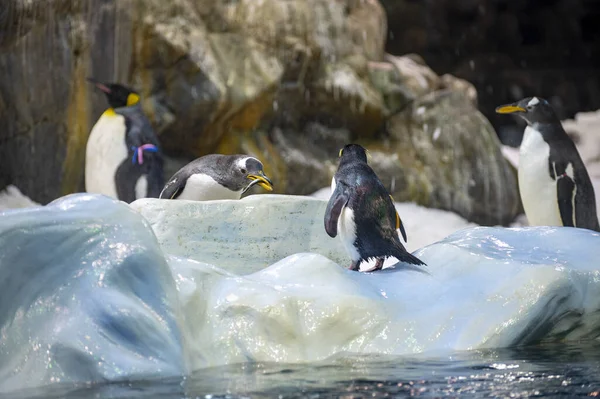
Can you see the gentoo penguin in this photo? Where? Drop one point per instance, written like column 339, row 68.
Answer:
column 363, row 212
column 123, row 158
column 216, row 177
column 554, row 185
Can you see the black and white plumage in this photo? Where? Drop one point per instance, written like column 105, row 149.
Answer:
column 216, row 177
column 362, row 212
column 123, row 157
column 554, row 184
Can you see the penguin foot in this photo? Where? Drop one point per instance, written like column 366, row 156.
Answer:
column 354, row 266
column 378, row 266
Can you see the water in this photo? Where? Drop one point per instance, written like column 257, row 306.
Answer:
column 545, row 371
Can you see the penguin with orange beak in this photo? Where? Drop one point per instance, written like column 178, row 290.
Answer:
column 554, row 184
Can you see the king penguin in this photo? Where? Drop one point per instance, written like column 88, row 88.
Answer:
column 554, row 184
column 123, row 158
column 216, row 177
column 363, row 213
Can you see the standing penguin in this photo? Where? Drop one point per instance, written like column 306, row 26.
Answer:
column 123, row 158
column 554, row 184
column 363, row 212
column 216, row 177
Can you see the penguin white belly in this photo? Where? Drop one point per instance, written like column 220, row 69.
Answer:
column 105, row 151
column 141, row 187
column 537, row 188
column 347, row 231
column 201, row 187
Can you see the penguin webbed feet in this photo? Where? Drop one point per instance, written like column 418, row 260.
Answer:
column 378, row 266
column 138, row 152
column 355, row 265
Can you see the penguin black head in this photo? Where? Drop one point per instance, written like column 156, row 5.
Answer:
column 118, row 95
column 354, row 152
column 534, row 110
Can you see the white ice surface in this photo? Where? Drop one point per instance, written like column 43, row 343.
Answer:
column 12, row 198
column 85, row 295
column 88, row 293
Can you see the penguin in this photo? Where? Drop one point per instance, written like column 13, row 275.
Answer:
column 216, row 177
column 362, row 211
column 554, row 184
column 123, row 158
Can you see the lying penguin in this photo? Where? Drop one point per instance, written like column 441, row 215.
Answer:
column 216, row 177
column 123, row 158
column 554, row 184
column 363, row 213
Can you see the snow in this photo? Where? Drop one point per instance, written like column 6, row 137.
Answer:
column 93, row 289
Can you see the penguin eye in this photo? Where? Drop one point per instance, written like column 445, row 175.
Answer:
column 243, row 170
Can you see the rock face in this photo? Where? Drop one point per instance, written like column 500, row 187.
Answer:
column 508, row 49
column 287, row 81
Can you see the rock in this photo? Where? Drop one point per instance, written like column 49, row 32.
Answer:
column 290, row 82
column 409, row 152
column 206, row 70
column 88, row 296
column 444, row 154
column 507, row 49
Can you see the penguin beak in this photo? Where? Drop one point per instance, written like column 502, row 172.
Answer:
column 509, row 109
column 99, row 85
column 260, row 179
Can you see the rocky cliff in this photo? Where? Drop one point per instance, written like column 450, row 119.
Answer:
column 509, row 49
column 287, row 81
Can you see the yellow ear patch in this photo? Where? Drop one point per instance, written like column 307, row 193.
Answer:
column 109, row 112
column 340, row 153
column 132, row 99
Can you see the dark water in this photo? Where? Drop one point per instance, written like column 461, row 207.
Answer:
column 545, row 371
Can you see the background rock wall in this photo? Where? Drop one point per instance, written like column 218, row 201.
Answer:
column 509, row 49
column 288, row 81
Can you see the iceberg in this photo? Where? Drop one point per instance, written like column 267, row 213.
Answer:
column 85, row 295
column 93, row 289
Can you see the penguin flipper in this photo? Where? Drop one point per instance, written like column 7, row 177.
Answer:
column 339, row 199
column 566, row 187
column 126, row 177
column 399, row 224
column 173, row 188
column 565, row 190
column 155, row 176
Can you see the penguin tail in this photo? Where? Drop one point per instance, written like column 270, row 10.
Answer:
column 404, row 256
